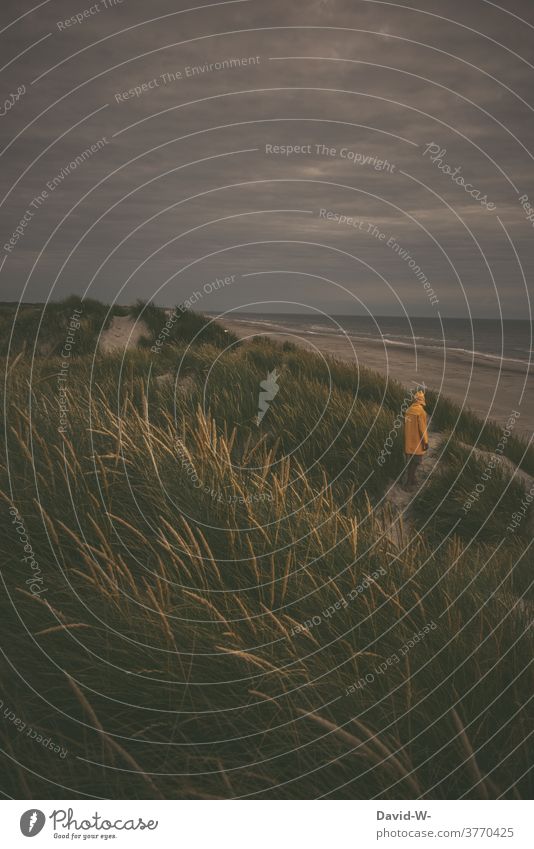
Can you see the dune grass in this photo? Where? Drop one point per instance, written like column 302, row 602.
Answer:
column 227, row 613
column 476, row 496
column 180, row 325
column 43, row 330
column 467, row 427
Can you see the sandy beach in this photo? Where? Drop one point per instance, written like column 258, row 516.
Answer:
column 491, row 388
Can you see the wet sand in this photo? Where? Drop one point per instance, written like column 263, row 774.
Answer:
column 491, row 388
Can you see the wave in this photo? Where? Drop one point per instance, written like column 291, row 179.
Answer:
column 420, row 341
column 402, row 344
column 270, row 325
column 450, row 348
column 443, row 347
column 487, row 356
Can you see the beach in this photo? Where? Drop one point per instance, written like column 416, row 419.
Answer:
column 490, row 387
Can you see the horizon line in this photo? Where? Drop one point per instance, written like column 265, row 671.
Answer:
column 310, row 315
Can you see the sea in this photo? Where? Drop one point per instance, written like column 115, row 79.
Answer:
column 504, row 341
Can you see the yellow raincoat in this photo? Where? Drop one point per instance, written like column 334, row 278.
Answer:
column 415, row 428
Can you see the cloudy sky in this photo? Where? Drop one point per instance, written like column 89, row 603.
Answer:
column 157, row 127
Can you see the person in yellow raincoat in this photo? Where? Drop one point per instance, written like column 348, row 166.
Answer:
column 415, row 436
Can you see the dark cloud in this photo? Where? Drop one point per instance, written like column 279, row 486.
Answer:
column 182, row 190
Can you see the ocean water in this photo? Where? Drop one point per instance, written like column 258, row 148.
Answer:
column 492, row 339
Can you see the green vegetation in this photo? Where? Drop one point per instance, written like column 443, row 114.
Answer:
column 38, row 329
column 469, row 428
column 473, row 499
column 180, row 325
column 42, row 330
column 210, row 626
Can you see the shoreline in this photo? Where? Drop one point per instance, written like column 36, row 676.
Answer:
column 491, row 388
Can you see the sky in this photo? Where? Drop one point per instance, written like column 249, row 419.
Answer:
column 349, row 156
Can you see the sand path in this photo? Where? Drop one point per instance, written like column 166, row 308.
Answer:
column 124, row 332
column 397, row 500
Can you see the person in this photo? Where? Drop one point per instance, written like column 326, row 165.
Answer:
column 415, row 437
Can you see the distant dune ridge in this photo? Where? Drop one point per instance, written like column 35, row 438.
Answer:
column 490, row 386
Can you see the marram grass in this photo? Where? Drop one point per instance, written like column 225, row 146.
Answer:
column 233, row 610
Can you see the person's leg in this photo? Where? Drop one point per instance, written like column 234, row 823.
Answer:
column 411, row 471
column 404, row 478
column 406, row 472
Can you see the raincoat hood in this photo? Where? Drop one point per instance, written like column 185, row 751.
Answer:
column 416, row 407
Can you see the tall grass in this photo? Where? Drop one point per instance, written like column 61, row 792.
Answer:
column 211, row 614
column 474, row 499
column 181, row 325
column 43, row 329
column 448, row 416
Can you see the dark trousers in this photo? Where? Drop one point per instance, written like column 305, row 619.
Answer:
column 413, row 461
